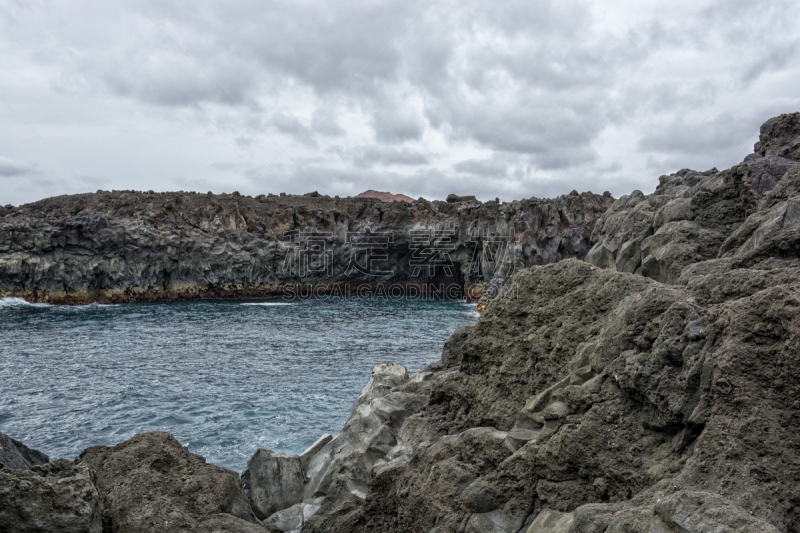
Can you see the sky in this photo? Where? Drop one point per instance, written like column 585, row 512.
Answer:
column 507, row 99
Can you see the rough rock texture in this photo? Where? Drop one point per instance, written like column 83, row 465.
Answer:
column 780, row 136
column 658, row 394
column 615, row 399
column 55, row 497
column 750, row 211
column 274, row 481
column 14, row 454
column 152, row 483
column 126, row 246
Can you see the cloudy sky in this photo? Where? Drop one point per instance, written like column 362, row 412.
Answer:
column 504, row 99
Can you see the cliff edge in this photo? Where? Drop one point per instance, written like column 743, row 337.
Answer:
column 648, row 389
column 132, row 246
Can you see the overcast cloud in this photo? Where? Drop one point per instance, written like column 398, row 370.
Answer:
column 497, row 99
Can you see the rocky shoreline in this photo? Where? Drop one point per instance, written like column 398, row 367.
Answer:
column 127, row 246
column 650, row 388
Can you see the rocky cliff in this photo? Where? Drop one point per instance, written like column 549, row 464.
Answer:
column 742, row 215
column 128, row 246
column 649, row 389
column 652, row 388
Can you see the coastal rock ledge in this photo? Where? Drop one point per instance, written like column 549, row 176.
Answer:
column 650, row 389
column 125, row 246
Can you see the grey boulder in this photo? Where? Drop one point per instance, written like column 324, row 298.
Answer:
column 55, row 497
column 14, row 454
column 152, row 483
column 273, row 481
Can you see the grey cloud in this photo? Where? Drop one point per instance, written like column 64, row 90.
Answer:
column 370, row 157
column 481, row 167
column 292, row 126
column 772, row 61
column 688, row 136
column 327, row 124
column 10, row 168
column 505, row 99
column 395, row 125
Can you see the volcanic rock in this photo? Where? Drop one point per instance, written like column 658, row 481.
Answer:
column 131, row 246
column 780, row 136
column 152, row 483
column 14, row 454
column 656, row 394
column 607, row 396
column 749, row 211
column 274, row 481
column 54, row 497
column 652, row 388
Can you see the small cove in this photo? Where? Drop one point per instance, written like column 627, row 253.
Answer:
column 225, row 377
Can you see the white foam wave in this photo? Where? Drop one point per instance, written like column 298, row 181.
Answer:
column 93, row 305
column 268, row 303
column 9, row 302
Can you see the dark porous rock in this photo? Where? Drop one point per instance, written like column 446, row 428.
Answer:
column 451, row 353
column 651, row 389
column 275, row 482
column 592, row 400
column 453, row 198
column 749, row 211
column 14, row 454
column 131, row 246
column 780, row 136
column 152, row 483
column 55, row 497
column 655, row 394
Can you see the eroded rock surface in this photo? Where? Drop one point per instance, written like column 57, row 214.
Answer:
column 655, row 394
column 274, row 481
column 129, row 246
column 152, row 483
column 54, row 497
column 780, row 136
column 14, row 454
column 616, row 400
column 750, row 211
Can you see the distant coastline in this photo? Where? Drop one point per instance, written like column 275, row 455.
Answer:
column 127, row 246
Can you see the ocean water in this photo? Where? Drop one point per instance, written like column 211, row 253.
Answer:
column 224, row 377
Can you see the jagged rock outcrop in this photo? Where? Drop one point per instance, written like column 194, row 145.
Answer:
column 14, row 454
column 152, row 483
column 127, row 246
column 780, row 136
column 614, row 399
column 655, row 394
column 750, row 212
column 53, row 497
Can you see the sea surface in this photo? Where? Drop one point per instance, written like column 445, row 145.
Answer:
column 224, row 377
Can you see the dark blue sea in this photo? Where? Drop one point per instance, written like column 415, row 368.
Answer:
column 224, row 377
